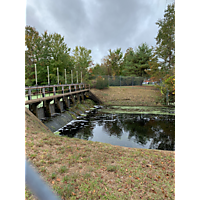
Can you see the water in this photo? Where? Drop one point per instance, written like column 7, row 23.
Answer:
column 148, row 131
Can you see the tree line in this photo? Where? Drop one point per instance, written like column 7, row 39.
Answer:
column 156, row 63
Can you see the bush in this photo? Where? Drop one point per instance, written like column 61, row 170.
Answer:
column 101, row 83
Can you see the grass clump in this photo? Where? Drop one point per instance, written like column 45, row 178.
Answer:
column 112, row 168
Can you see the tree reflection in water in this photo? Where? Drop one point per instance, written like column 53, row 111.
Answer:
column 151, row 131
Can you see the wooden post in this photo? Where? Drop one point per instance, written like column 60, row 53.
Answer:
column 29, row 94
column 54, row 90
column 43, row 92
column 63, row 89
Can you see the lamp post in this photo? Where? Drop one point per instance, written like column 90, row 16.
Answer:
column 48, row 75
column 77, row 76
column 72, row 76
column 58, row 75
column 35, row 74
column 65, row 77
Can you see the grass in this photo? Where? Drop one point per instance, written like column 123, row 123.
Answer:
column 78, row 169
column 129, row 95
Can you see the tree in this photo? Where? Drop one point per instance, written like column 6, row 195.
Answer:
column 82, row 60
column 165, row 39
column 136, row 62
column 113, row 62
column 32, row 40
column 165, row 51
column 60, row 58
column 45, row 50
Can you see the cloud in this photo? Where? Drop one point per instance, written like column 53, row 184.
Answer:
column 98, row 25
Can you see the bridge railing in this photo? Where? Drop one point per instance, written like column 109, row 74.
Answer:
column 34, row 92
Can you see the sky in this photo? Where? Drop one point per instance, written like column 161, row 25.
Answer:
column 98, row 25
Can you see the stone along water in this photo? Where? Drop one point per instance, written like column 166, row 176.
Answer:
column 147, row 131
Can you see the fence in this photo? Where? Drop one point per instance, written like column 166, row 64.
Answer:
column 116, row 80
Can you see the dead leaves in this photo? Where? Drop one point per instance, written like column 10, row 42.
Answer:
column 153, row 190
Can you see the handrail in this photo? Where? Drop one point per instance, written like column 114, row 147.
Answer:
column 47, row 86
column 39, row 91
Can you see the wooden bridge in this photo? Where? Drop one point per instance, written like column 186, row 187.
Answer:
column 47, row 100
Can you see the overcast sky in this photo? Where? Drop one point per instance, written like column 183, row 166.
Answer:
column 98, row 25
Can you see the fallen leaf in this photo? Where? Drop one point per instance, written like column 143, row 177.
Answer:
column 73, row 194
column 58, row 179
column 52, row 182
column 119, row 190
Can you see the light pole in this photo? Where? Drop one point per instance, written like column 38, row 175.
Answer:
column 77, row 76
column 35, row 74
column 58, row 75
column 65, row 77
column 48, row 74
column 72, row 76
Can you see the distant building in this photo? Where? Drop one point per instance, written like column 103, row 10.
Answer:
column 148, row 81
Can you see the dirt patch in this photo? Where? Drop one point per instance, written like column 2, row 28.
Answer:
column 79, row 169
column 129, row 95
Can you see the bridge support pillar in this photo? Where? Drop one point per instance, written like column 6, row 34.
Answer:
column 78, row 98
column 82, row 97
column 57, row 105
column 34, row 109
column 73, row 100
column 47, row 109
column 66, row 102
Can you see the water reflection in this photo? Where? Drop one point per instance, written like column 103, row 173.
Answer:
column 131, row 130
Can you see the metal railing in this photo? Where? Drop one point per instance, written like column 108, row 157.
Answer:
column 37, row 185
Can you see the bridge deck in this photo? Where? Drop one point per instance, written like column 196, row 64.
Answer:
column 53, row 97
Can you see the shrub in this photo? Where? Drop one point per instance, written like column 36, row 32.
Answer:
column 101, row 83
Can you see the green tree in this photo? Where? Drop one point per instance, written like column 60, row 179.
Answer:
column 32, row 42
column 165, row 52
column 113, row 62
column 165, row 39
column 136, row 62
column 60, row 58
column 45, row 50
column 82, row 60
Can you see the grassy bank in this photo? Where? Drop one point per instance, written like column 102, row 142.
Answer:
column 129, row 95
column 79, row 169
